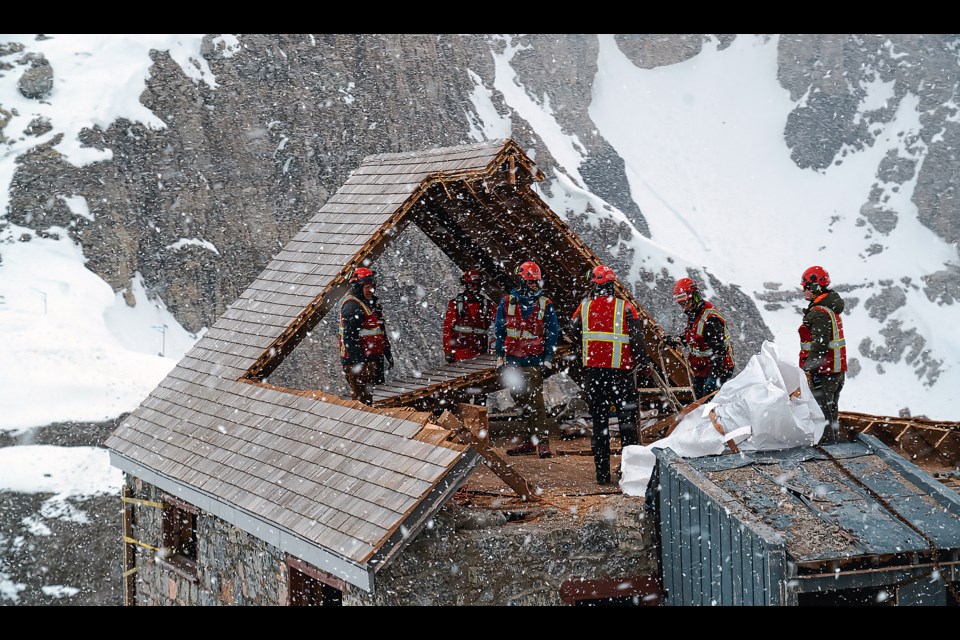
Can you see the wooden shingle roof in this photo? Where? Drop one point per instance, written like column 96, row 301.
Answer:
column 475, row 202
column 331, row 483
column 303, row 282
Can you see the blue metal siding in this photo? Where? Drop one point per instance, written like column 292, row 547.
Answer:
column 708, row 556
column 753, row 538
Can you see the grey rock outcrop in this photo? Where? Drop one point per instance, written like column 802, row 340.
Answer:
column 244, row 164
column 37, row 80
column 833, row 71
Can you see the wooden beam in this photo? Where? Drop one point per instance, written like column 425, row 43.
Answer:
column 916, row 435
column 433, row 434
column 526, row 490
column 687, row 410
column 437, row 223
column 474, row 418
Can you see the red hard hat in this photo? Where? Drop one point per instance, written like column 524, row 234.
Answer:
column 361, row 273
column 602, row 273
column 815, row 275
column 472, row 276
column 684, row 289
column 529, row 271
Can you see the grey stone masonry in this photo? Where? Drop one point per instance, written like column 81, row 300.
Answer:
column 468, row 559
column 233, row 567
column 467, row 556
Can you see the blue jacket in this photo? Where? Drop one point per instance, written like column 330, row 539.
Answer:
column 527, row 299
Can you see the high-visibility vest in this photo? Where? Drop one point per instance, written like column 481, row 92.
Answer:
column 835, row 361
column 465, row 326
column 606, row 333
column 524, row 335
column 373, row 339
column 701, row 354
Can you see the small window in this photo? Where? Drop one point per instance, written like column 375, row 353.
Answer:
column 310, row 587
column 179, row 547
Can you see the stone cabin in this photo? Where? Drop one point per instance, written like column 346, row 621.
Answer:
column 243, row 492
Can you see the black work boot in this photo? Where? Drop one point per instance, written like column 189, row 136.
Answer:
column 543, row 449
column 830, row 436
column 600, row 446
column 603, row 475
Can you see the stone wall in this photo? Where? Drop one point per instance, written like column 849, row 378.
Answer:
column 474, row 556
column 233, row 567
column 466, row 556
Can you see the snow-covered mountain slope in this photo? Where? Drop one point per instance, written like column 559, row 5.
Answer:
column 740, row 160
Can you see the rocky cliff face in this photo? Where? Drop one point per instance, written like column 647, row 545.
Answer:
column 243, row 164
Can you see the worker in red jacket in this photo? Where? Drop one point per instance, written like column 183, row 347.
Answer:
column 823, row 348
column 365, row 351
column 610, row 336
column 468, row 320
column 710, row 349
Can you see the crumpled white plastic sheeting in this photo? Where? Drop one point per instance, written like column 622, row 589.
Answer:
column 755, row 410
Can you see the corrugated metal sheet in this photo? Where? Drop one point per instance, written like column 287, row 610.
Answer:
column 707, row 557
column 770, row 527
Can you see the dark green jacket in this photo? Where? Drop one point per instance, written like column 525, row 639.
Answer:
column 821, row 329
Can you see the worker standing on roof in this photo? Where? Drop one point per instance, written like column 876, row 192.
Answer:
column 610, row 336
column 468, row 320
column 526, row 330
column 823, row 349
column 365, row 351
column 706, row 336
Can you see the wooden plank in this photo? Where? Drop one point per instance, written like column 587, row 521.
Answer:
column 449, row 421
column 474, row 418
column 433, row 435
column 426, row 379
column 447, row 379
column 676, row 419
column 948, row 446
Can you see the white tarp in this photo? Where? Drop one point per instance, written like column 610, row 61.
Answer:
column 754, row 409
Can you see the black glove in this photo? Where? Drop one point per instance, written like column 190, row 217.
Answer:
column 710, row 385
column 449, row 358
column 388, row 358
column 673, row 341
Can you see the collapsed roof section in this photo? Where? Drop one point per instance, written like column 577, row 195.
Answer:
column 475, row 202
